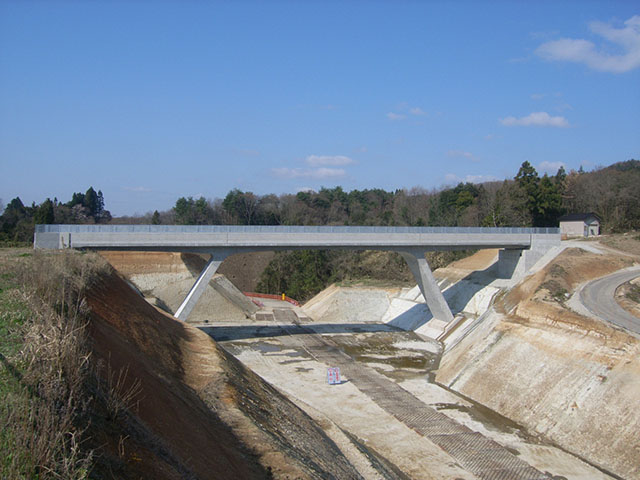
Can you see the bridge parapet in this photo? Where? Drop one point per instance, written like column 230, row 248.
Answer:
column 194, row 237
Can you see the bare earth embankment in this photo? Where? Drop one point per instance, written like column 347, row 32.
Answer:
column 210, row 416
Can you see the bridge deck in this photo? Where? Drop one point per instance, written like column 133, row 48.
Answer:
column 178, row 237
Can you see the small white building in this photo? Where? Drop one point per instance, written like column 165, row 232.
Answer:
column 579, row 225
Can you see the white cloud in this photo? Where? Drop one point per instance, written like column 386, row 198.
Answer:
column 315, row 173
column 550, row 167
column 136, row 189
column 403, row 110
column 460, row 153
column 537, row 119
column 583, row 51
column 305, row 189
column 332, row 160
column 395, row 116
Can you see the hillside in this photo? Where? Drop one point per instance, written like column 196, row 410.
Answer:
column 161, row 399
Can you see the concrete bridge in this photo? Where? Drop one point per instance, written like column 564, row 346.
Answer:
column 521, row 247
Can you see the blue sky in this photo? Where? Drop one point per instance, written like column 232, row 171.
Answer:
column 149, row 101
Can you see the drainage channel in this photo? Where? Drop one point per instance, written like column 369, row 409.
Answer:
column 477, row 454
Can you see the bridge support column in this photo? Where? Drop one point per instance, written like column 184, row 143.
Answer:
column 427, row 283
column 200, row 285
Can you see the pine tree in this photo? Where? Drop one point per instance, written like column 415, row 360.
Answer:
column 44, row 213
column 91, row 202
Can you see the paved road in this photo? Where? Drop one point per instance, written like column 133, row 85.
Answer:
column 598, row 297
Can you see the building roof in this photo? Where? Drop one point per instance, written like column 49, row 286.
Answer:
column 575, row 217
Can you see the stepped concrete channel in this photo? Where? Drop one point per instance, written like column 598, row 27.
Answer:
column 520, row 247
column 477, row 454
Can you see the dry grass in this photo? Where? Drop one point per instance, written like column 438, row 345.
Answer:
column 47, row 375
column 626, row 242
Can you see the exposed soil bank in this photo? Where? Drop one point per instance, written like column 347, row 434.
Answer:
column 568, row 378
column 205, row 415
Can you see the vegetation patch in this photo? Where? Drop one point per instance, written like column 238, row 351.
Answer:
column 304, row 273
column 556, row 290
column 50, row 392
column 633, row 293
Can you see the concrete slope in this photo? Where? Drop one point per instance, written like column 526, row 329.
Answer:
column 165, row 278
column 569, row 379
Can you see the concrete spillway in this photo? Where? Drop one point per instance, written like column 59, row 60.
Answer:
column 521, row 246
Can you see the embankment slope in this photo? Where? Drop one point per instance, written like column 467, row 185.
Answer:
column 207, row 415
column 567, row 378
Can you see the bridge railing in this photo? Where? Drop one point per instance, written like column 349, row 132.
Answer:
column 283, row 229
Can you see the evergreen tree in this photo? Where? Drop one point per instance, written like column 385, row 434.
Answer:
column 91, row 202
column 529, row 181
column 549, row 204
column 155, row 218
column 44, row 214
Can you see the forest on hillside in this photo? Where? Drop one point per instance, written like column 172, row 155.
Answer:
column 528, row 199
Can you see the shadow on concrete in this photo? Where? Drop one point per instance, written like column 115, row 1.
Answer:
column 241, row 332
column 457, row 296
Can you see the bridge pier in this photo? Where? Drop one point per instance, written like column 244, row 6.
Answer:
column 419, row 266
column 200, row 285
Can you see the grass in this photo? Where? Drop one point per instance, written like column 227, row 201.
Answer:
column 44, row 364
column 634, row 293
column 556, row 290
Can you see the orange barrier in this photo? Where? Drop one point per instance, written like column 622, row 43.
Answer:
column 272, row 297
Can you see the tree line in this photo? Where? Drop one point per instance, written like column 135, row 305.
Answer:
column 18, row 220
column 528, row 199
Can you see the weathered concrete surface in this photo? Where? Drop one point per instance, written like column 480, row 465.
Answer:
column 567, row 378
column 168, row 277
column 349, row 305
column 373, row 408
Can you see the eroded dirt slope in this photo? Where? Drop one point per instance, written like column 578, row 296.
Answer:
column 204, row 414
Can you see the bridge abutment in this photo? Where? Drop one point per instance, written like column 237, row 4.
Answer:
column 515, row 263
